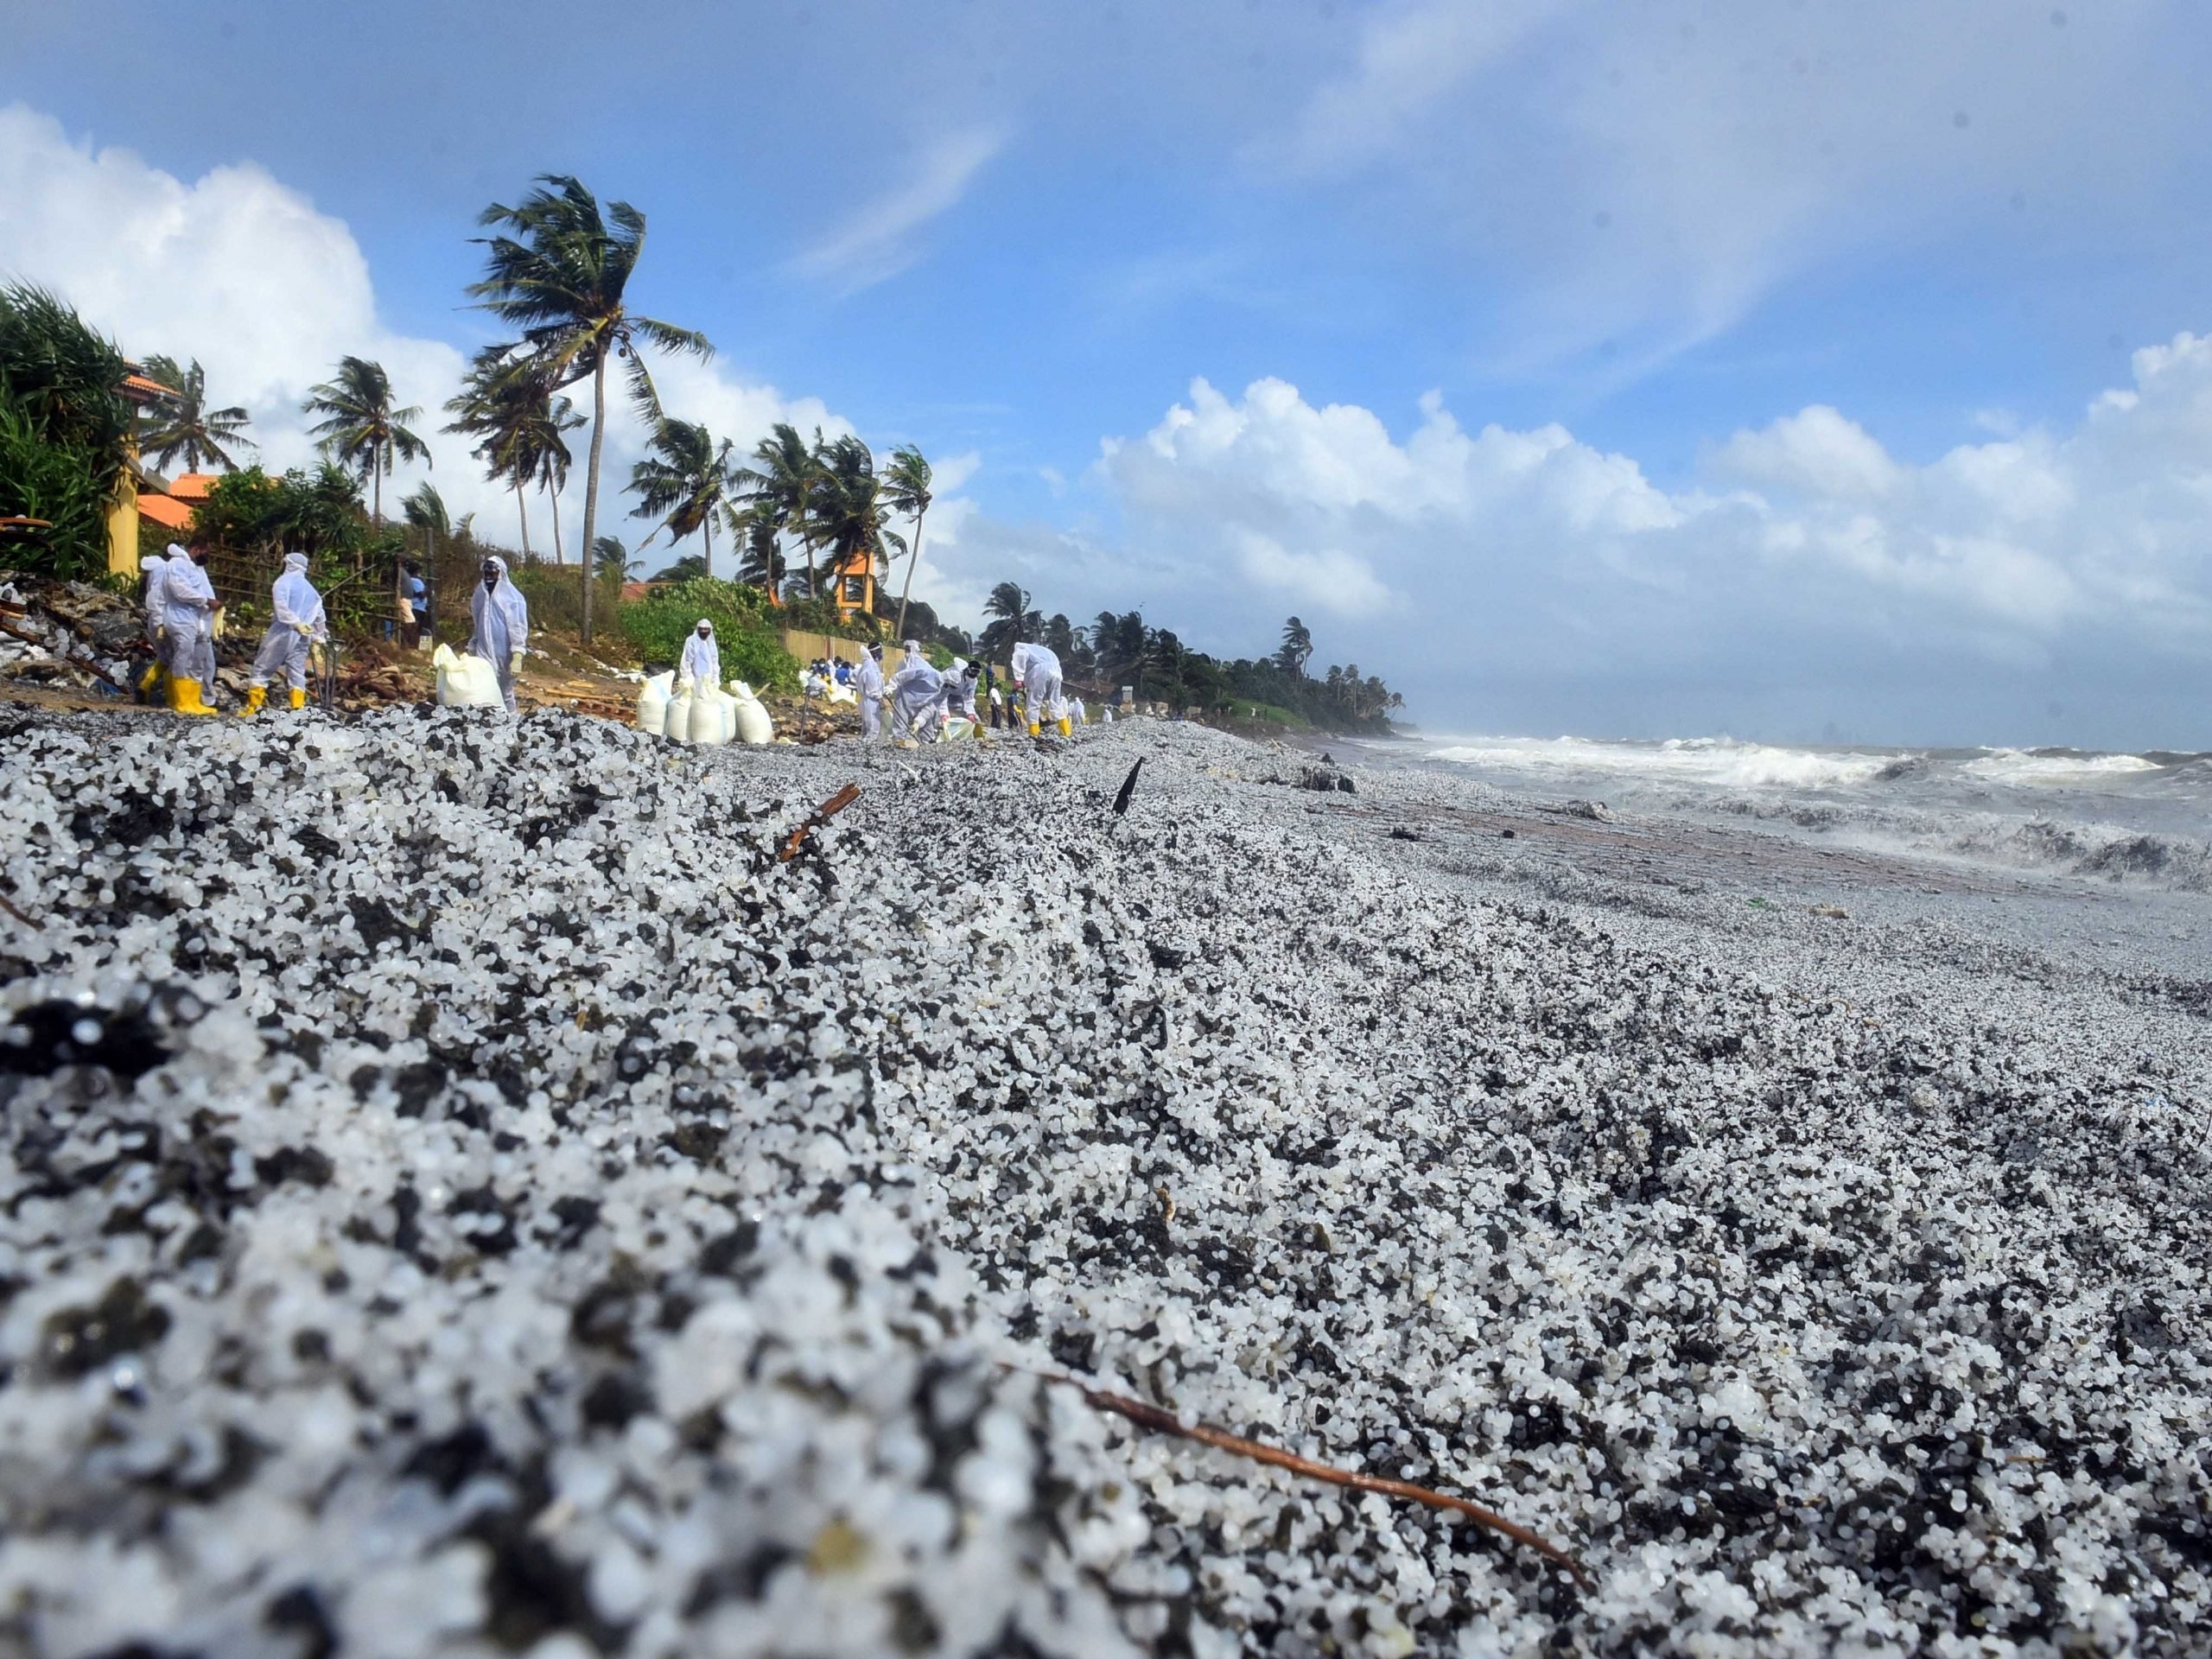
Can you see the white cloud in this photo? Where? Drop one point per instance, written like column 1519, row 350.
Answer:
column 1814, row 556
column 243, row 272
column 884, row 236
column 1816, row 451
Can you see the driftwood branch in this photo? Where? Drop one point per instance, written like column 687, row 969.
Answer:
column 1164, row 1422
column 821, row 815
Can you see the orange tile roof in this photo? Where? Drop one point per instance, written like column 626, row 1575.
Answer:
column 141, row 385
column 165, row 511
column 191, row 486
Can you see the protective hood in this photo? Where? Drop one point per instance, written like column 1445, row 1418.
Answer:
column 296, row 603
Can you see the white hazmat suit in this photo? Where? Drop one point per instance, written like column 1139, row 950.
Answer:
column 917, row 694
column 295, row 617
column 868, row 682
column 960, row 688
column 1036, row 669
column 500, row 618
column 156, row 568
column 188, row 617
column 702, row 658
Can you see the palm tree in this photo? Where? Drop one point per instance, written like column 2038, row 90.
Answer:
column 610, row 559
column 518, row 424
column 561, row 278
column 782, row 478
column 426, row 509
column 360, row 429
column 552, row 417
column 1297, row 646
column 762, row 564
column 686, row 482
column 907, row 483
column 1012, row 620
column 185, row 425
column 847, row 507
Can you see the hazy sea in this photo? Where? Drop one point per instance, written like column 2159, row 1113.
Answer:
column 2144, row 820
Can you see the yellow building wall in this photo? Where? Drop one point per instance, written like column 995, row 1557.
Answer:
column 123, row 530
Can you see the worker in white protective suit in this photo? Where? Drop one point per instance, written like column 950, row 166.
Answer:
column 296, row 619
column 702, row 658
column 1076, row 712
column 155, row 567
column 868, row 682
column 1037, row 669
column 500, row 625
column 917, row 693
column 188, row 630
column 960, row 683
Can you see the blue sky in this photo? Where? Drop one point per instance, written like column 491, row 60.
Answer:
column 1796, row 321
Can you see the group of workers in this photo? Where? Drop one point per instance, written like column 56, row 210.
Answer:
column 180, row 612
column 921, row 698
column 181, row 608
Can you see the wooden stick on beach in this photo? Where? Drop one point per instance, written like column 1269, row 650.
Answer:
column 1165, row 1422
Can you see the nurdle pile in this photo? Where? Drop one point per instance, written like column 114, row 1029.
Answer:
column 466, row 1191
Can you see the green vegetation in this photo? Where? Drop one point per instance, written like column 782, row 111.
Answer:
column 185, row 428
column 1119, row 649
column 560, row 272
column 751, row 651
column 64, row 431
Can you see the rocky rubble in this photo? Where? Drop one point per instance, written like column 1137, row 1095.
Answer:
column 465, row 1193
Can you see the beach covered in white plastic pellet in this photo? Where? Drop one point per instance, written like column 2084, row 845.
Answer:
column 463, row 1194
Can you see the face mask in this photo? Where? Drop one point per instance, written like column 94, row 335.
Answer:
column 491, row 576
column 200, row 556
column 706, row 633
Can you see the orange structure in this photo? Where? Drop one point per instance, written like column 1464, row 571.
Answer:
column 852, row 583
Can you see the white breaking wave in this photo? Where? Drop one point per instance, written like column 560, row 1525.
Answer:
column 2030, row 766
column 1719, row 762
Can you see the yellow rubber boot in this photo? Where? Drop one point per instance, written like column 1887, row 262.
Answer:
column 1033, row 728
column 1066, row 729
column 299, row 697
column 184, row 698
column 151, row 678
column 255, row 697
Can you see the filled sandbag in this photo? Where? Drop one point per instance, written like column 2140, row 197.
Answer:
column 652, row 704
column 465, row 680
column 677, row 723
column 710, row 717
column 751, row 721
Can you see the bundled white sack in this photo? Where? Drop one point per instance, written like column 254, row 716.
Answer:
column 466, row 681
column 752, row 722
column 677, row 721
column 710, row 716
column 652, row 704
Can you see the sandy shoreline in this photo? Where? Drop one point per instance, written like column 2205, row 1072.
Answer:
column 444, row 1260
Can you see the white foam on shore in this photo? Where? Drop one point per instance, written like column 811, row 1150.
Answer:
column 2032, row 766
column 1717, row 762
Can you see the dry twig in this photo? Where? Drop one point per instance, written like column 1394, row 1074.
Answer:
column 1165, row 1422
column 821, row 815
column 13, row 911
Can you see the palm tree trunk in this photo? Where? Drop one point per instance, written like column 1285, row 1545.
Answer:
column 706, row 528
column 591, row 479
column 522, row 512
column 913, row 557
column 554, row 496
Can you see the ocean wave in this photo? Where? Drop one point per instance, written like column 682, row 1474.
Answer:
column 1717, row 762
column 2055, row 766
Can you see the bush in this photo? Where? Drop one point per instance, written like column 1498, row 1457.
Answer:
column 752, row 649
column 60, row 483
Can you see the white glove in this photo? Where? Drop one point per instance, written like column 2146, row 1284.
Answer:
column 514, row 662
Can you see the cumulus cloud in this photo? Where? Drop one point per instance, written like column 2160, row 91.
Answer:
column 246, row 274
column 1809, row 555
column 884, row 236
